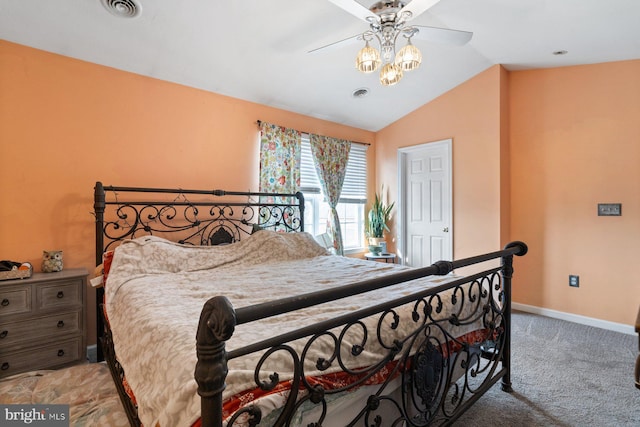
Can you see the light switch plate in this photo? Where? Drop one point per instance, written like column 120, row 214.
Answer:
column 609, row 209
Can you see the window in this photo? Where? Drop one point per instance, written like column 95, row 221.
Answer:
column 352, row 198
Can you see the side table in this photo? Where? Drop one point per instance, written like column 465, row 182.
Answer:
column 386, row 257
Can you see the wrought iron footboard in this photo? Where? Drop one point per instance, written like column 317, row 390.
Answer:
column 441, row 376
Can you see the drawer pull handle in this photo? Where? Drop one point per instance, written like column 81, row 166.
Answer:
column 60, row 353
column 3, row 334
column 60, row 324
column 5, row 302
column 60, row 294
column 5, row 366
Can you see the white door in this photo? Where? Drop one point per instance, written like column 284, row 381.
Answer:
column 425, row 203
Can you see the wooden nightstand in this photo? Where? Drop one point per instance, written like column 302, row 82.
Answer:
column 42, row 321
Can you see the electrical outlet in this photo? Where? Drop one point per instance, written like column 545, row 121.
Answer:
column 574, row 281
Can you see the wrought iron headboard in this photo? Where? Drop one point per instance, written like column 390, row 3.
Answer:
column 198, row 217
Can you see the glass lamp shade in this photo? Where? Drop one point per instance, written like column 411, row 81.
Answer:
column 368, row 59
column 409, row 57
column 390, row 74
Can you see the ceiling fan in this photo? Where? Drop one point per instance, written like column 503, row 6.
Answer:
column 387, row 22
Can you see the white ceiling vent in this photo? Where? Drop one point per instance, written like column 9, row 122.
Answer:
column 360, row 93
column 123, row 8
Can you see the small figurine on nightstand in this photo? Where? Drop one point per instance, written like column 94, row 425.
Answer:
column 51, row 261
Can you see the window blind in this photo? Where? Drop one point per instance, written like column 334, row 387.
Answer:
column 309, row 182
column 354, row 188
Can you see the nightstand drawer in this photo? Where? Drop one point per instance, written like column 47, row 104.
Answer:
column 41, row 327
column 62, row 294
column 49, row 356
column 15, row 300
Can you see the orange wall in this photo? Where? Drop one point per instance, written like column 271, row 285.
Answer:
column 64, row 124
column 505, row 160
column 470, row 115
column 534, row 152
column 575, row 142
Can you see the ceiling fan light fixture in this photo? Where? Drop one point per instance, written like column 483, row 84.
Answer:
column 388, row 21
column 368, row 59
column 409, row 57
column 390, row 74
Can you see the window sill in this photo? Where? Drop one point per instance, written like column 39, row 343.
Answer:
column 354, row 252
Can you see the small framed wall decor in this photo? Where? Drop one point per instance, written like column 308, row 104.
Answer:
column 609, row 209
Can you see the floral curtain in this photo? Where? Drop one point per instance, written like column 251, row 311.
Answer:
column 330, row 156
column 279, row 162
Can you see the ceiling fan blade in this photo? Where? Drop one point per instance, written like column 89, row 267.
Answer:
column 442, row 35
column 339, row 42
column 416, row 7
column 357, row 10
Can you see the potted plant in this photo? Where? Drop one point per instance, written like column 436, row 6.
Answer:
column 377, row 219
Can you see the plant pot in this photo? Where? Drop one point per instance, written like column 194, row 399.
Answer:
column 375, row 240
column 379, row 244
column 375, row 250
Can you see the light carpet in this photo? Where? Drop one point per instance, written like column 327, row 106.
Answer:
column 563, row 374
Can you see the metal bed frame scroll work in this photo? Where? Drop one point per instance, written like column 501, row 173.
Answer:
column 429, row 376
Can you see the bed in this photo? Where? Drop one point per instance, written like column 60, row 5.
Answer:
column 220, row 310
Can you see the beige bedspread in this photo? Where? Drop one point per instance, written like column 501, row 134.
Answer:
column 156, row 289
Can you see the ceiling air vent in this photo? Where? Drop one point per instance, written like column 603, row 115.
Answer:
column 123, row 8
column 360, row 93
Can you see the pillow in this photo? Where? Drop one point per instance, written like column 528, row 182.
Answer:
column 107, row 258
column 101, row 272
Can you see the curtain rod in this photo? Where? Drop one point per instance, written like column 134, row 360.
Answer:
column 259, row 122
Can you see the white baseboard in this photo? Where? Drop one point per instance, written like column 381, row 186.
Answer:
column 575, row 318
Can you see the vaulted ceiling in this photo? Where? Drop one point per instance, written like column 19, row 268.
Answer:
column 257, row 50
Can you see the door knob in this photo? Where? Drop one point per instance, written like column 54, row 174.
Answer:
column 446, row 229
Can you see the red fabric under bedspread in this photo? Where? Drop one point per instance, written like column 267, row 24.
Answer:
column 339, row 379
column 328, row 382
